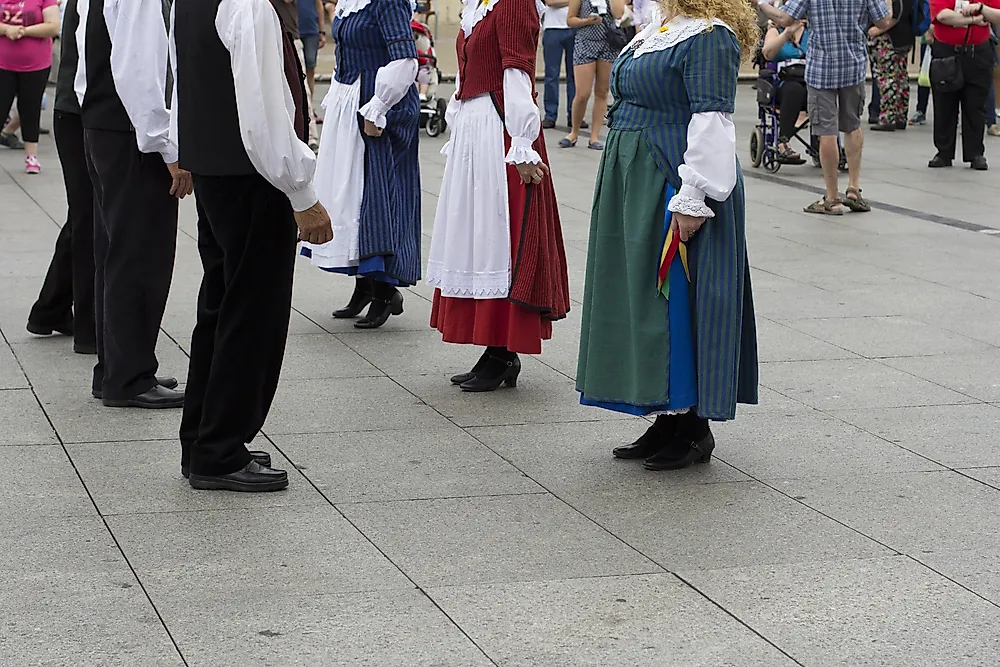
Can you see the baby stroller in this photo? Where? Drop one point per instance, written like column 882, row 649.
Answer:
column 432, row 107
column 765, row 140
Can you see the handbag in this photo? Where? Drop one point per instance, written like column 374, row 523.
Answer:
column 794, row 72
column 946, row 73
column 618, row 37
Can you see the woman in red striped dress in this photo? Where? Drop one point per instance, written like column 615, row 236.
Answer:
column 497, row 259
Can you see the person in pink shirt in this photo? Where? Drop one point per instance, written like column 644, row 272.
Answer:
column 26, row 31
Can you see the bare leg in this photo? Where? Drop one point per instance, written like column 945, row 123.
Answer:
column 602, row 86
column 829, row 157
column 311, row 80
column 584, row 76
column 853, row 143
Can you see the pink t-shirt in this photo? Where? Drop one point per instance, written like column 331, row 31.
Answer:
column 28, row 54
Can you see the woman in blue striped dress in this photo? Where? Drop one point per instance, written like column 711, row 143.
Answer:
column 668, row 322
column 367, row 173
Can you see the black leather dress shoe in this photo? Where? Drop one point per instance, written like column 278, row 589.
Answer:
column 263, row 458
column 42, row 329
column 938, row 162
column 155, row 399
column 980, row 164
column 250, row 479
column 165, row 382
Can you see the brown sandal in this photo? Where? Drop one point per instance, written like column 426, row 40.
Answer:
column 825, row 207
column 858, row 204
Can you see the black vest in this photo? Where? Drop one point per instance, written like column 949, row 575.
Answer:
column 66, row 101
column 102, row 108
column 208, row 124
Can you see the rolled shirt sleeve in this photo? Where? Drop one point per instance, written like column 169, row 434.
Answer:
column 797, row 9
column 521, row 117
column 139, row 69
column 391, row 84
column 709, row 168
column 251, row 32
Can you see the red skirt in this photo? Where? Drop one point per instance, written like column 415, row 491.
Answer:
column 539, row 291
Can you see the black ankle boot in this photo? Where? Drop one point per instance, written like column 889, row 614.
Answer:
column 386, row 301
column 652, row 441
column 693, row 443
column 362, row 297
column 501, row 368
column 462, row 378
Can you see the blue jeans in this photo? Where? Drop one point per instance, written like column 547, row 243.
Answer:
column 557, row 47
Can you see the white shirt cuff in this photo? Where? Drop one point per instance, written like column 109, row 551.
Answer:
column 375, row 111
column 169, row 155
column 521, row 152
column 303, row 199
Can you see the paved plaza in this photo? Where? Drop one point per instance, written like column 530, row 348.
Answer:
column 848, row 520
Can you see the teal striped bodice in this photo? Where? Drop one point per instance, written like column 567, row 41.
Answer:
column 657, row 93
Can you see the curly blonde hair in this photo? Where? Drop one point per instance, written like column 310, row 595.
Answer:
column 737, row 14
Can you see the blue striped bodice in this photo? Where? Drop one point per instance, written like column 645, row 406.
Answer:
column 372, row 38
column 657, row 93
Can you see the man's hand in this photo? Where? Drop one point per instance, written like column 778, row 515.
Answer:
column 686, row 226
column 314, row 225
column 371, row 129
column 181, row 185
column 874, row 32
column 532, row 174
column 322, row 40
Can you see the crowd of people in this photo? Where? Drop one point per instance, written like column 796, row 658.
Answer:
column 214, row 99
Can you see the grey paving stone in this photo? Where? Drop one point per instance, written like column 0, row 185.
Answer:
column 302, row 551
column 769, row 447
column 543, row 395
column 342, row 630
column 22, row 420
column 976, row 569
column 70, row 599
column 11, row 376
column 778, row 342
column 144, row 477
column 782, row 298
column 78, row 417
column 321, row 356
column 975, row 374
column 484, row 540
column 605, row 622
column 403, row 353
column 576, row 457
column 909, row 512
column 863, row 613
column 441, row 462
column 41, row 482
column 953, row 435
column 708, row 526
column 855, row 385
column 349, row 404
column 887, row 336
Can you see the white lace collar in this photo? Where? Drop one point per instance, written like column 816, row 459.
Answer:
column 653, row 38
column 474, row 12
column 348, row 7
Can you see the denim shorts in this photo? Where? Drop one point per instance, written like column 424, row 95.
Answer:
column 310, row 49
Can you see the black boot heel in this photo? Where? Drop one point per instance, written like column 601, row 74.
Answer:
column 359, row 300
column 498, row 371
column 381, row 309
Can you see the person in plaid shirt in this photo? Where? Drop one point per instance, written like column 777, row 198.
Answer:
column 836, row 63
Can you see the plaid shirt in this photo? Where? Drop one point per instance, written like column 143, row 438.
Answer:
column 837, row 56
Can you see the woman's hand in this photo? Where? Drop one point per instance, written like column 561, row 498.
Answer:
column 532, row 174
column 874, row 32
column 686, row 226
column 371, row 129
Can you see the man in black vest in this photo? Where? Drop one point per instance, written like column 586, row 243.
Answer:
column 243, row 139
column 66, row 300
column 121, row 84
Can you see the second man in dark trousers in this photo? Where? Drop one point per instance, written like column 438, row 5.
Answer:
column 121, row 84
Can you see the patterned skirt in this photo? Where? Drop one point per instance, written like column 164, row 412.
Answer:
column 642, row 353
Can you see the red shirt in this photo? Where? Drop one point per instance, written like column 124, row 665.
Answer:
column 947, row 34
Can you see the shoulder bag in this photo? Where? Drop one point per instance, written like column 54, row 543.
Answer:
column 946, row 73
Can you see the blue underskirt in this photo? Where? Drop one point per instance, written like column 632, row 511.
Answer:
column 370, row 267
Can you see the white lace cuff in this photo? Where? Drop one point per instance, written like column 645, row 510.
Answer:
column 690, row 201
column 375, row 111
column 521, row 152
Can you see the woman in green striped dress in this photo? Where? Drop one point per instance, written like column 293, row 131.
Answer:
column 668, row 322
